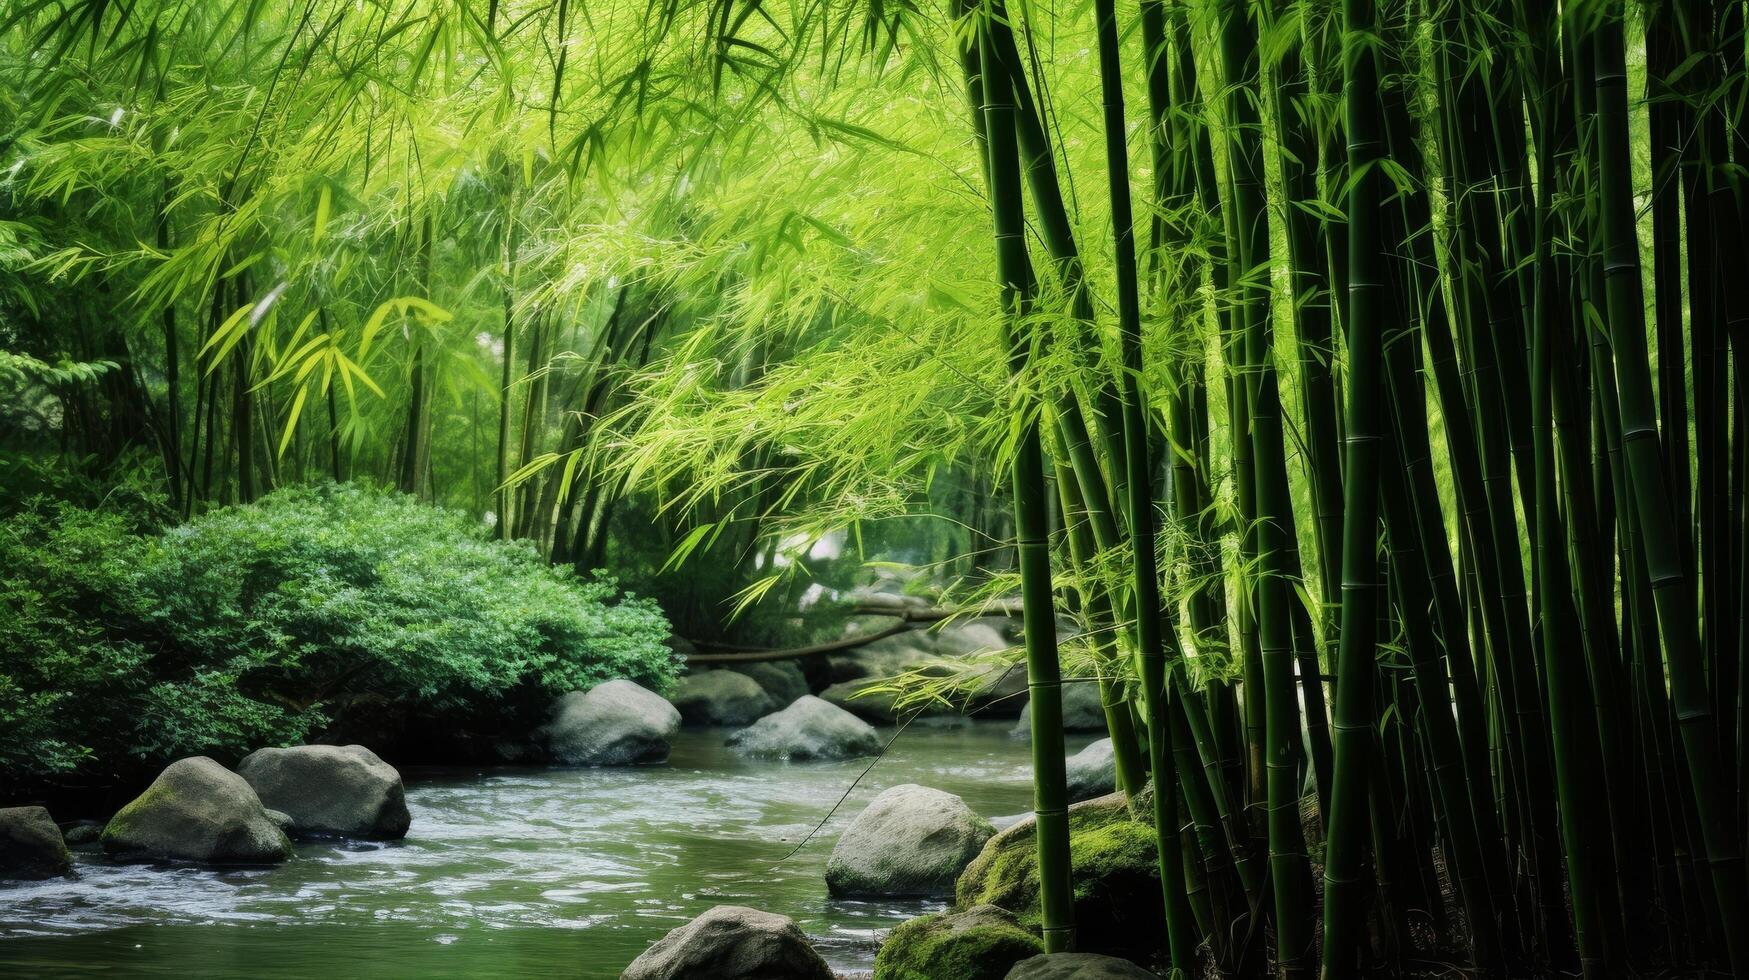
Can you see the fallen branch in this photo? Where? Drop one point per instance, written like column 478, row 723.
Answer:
column 761, row 656
column 907, row 617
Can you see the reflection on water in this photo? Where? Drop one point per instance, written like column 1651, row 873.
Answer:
column 513, row 872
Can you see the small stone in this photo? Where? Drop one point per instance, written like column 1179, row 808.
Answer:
column 731, row 942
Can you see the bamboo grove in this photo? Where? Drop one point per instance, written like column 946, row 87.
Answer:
column 1374, row 435
column 1530, row 579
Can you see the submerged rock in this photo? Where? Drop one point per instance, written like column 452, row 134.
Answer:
column 910, row 840
column 330, row 790
column 81, row 833
column 720, row 697
column 614, row 724
column 730, row 942
column 31, row 848
column 1083, row 710
column 197, row 810
column 1116, row 878
column 808, row 729
column 1078, row 966
column 981, row 943
column 782, row 680
column 1092, row 771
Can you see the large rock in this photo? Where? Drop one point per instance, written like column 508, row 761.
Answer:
column 864, row 699
column 1116, row 878
column 731, row 943
column 31, row 848
column 782, row 680
column 909, row 840
column 614, row 724
column 808, row 729
column 1000, row 690
column 1092, row 771
column 885, row 657
column 974, row 636
column 720, row 697
column 1083, row 710
column 330, row 790
column 981, row 943
column 197, row 810
column 1078, row 966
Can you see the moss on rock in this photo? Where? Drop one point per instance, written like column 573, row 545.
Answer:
column 1118, row 904
column 981, row 943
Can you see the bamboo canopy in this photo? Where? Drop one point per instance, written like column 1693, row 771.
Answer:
column 1365, row 386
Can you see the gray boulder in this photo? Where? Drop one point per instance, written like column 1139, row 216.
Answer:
column 330, row 790
column 881, row 707
column 1083, row 710
column 197, row 810
column 999, row 690
column 31, row 848
column 720, row 697
column 1077, row 966
column 808, row 729
column 781, row 679
column 910, row 840
column 875, row 707
column 614, row 724
column 1092, row 771
column 730, row 942
column 885, row 657
column 974, row 636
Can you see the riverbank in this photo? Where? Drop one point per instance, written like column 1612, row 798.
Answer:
column 518, row 871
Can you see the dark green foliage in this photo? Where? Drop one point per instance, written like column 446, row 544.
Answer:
column 249, row 625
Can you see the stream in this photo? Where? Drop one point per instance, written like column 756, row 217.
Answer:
column 516, row 872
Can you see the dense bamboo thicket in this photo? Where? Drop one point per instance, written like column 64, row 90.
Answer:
column 1366, row 385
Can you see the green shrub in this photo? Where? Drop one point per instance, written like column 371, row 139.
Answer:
column 247, row 626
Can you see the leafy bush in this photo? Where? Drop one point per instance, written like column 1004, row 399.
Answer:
column 252, row 625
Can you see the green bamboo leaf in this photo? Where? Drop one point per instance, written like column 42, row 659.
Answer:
column 291, row 421
column 227, row 335
column 323, row 203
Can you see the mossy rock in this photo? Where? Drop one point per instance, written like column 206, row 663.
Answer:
column 197, row 810
column 1118, row 904
column 981, row 943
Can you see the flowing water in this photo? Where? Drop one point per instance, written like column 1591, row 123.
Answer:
column 515, row 872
